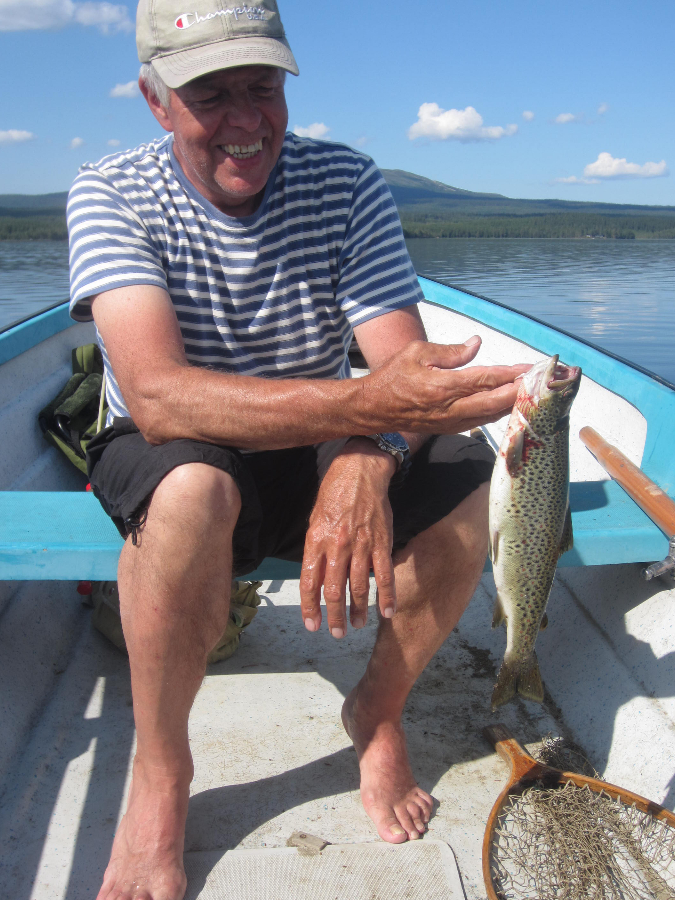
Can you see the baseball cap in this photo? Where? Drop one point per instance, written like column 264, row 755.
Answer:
column 184, row 39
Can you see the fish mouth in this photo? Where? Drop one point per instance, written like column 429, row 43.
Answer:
column 563, row 376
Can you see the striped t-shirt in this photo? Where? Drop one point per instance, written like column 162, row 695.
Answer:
column 275, row 294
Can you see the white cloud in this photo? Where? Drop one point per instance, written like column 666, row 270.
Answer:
column 106, row 17
column 113, row 142
column 602, row 109
column 316, row 131
column 572, row 179
column 564, row 118
column 76, row 143
column 130, row 90
column 606, row 166
column 361, row 141
column 13, row 136
column 455, row 125
column 37, row 15
column 528, row 115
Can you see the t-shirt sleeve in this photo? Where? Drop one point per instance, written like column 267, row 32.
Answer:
column 109, row 245
column 376, row 274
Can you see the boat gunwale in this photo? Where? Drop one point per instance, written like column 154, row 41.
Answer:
column 568, row 334
column 652, row 396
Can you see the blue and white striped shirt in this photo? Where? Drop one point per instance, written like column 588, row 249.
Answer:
column 275, row 294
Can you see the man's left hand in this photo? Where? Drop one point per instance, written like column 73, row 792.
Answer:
column 350, row 532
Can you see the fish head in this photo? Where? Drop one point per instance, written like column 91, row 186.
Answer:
column 546, row 394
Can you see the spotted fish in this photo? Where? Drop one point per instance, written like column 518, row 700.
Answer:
column 530, row 522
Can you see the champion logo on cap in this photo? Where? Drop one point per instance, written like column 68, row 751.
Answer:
column 187, row 20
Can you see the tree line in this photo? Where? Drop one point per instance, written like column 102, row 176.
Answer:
column 555, row 225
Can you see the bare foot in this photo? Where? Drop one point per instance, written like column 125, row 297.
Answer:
column 146, row 862
column 390, row 795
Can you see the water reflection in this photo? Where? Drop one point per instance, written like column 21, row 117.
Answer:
column 618, row 294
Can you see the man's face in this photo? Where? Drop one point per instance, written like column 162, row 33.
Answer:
column 229, row 128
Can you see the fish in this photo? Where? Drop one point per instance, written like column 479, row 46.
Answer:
column 530, row 524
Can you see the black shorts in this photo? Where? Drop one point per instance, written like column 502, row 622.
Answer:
column 279, row 487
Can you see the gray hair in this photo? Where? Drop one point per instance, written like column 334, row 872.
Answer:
column 155, row 84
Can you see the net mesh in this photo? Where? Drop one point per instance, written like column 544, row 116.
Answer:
column 571, row 842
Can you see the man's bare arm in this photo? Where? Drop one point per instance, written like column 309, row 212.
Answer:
column 416, row 390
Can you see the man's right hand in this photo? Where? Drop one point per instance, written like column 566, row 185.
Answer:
column 419, row 389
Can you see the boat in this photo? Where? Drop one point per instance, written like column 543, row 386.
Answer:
column 271, row 756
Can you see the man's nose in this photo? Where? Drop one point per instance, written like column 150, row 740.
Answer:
column 243, row 113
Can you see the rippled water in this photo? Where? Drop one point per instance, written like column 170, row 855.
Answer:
column 617, row 294
column 33, row 276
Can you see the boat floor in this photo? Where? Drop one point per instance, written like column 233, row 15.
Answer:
column 271, row 756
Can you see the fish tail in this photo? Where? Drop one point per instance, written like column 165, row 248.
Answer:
column 507, row 682
column 530, row 684
column 521, row 677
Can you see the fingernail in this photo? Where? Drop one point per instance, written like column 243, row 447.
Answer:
column 395, row 829
column 337, row 632
column 389, row 612
column 358, row 622
column 310, row 624
column 474, row 339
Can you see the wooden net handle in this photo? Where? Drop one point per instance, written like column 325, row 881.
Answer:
column 648, row 496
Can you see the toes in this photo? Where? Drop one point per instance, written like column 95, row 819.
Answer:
column 417, row 815
column 426, row 804
column 406, row 821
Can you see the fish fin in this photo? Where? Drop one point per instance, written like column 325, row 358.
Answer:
column 493, row 546
column 523, row 677
column 544, row 622
column 567, row 540
column 506, row 686
column 530, row 684
column 498, row 615
column 514, row 452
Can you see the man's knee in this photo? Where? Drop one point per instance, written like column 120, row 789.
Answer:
column 196, row 491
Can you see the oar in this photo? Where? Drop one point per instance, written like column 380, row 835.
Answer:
column 648, row 496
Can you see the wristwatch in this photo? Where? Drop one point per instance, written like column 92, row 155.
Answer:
column 395, row 444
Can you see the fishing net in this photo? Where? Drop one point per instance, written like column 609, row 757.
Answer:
column 571, row 842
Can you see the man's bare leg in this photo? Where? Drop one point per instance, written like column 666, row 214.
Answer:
column 436, row 576
column 174, row 589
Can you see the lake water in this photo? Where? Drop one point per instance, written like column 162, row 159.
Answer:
column 617, row 294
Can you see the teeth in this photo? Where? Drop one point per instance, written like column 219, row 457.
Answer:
column 241, row 152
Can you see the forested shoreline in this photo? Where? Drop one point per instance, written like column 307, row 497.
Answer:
column 558, row 225
column 428, row 209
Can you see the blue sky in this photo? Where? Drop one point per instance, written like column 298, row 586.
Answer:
column 439, row 89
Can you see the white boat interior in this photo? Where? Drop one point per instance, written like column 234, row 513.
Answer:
column 271, row 757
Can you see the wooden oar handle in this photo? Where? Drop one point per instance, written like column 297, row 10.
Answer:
column 648, row 496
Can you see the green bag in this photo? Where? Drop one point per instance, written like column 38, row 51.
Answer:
column 244, row 603
column 72, row 419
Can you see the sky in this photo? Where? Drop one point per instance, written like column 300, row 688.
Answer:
column 529, row 99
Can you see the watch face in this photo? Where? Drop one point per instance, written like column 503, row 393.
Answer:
column 397, row 442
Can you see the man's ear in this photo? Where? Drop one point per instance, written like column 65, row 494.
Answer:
column 156, row 108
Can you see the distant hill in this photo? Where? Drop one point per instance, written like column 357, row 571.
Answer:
column 40, row 203
column 433, row 209
column 427, row 208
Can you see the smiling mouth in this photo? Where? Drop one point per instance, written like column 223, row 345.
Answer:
column 239, row 151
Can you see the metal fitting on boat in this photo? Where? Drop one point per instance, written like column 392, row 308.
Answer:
column 662, row 568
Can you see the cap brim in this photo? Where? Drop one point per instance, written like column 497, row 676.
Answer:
column 176, row 69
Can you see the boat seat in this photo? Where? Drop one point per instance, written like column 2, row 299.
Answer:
column 66, row 536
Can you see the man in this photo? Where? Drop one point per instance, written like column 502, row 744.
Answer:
column 226, row 268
